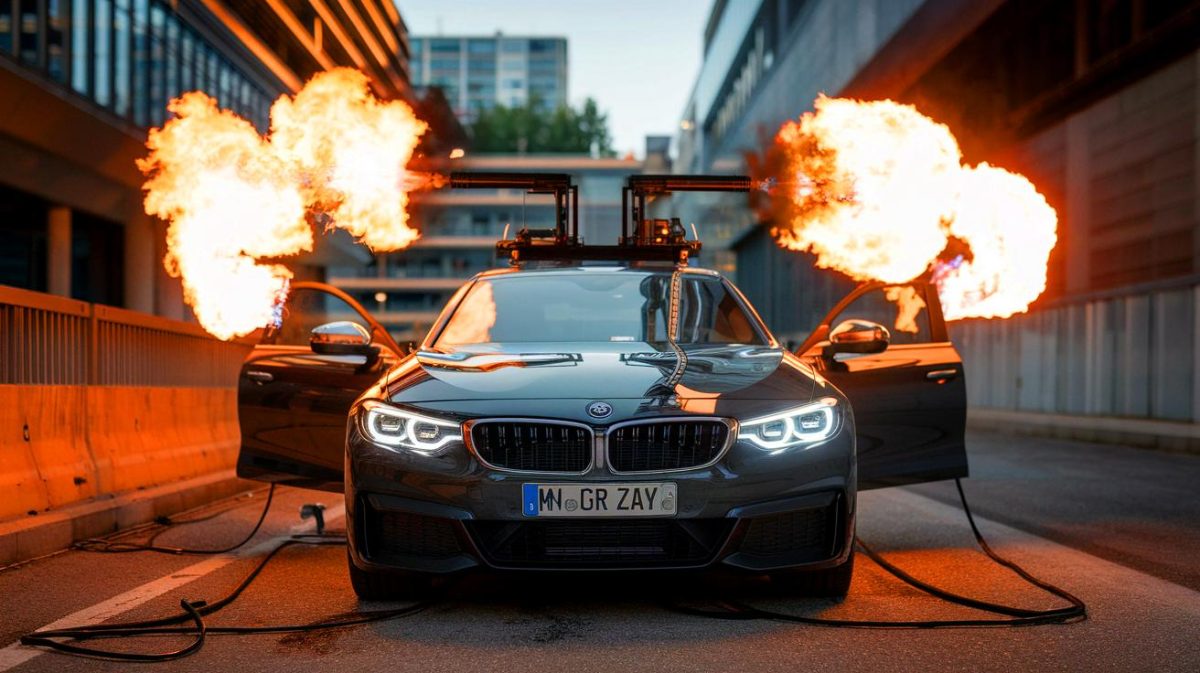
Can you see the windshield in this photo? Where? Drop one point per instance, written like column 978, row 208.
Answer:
column 617, row 306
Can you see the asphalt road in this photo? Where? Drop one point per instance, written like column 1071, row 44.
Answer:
column 1118, row 527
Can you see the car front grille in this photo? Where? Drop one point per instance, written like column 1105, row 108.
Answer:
column 600, row 544
column 392, row 535
column 533, row 446
column 802, row 536
column 672, row 445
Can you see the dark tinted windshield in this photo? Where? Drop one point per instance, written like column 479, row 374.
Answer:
column 607, row 306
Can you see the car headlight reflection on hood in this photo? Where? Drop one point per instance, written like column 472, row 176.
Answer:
column 396, row 428
column 808, row 424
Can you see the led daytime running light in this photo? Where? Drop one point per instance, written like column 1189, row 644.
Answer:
column 393, row 427
column 793, row 431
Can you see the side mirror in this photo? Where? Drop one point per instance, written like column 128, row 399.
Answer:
column 342, row 338
column 858, row 336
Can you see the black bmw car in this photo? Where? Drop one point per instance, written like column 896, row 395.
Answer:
column 593, row 414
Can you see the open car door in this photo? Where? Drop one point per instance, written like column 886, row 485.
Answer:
column 296, row 388
column 909, row 399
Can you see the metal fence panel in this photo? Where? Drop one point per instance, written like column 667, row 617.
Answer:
column 50, row 340
column 1130, row 355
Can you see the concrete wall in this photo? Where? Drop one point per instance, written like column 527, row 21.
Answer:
column 97, row 401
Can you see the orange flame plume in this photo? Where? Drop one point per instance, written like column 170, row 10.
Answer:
column 334, row 153
column 878, row 191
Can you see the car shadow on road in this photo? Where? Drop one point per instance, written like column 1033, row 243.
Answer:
column 525, row 609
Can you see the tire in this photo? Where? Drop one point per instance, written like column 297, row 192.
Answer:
column 390, row 585
column 830, row 583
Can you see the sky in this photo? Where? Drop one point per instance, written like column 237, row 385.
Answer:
column 637, row 58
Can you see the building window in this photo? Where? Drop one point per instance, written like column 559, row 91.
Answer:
column 141, row 62
column 187, row 62
column 481, row 46
column 226, row 97
column 212, row 84
column 6, row 28
column 27, row 24
column 171, row 54
column 79, row 45
column 121, row 67
column 158, row 95
column 56, row 40
column 102, row 57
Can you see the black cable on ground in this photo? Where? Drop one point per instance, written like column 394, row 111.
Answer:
column 66, row 640
column 116, row 546
column 1077, row 610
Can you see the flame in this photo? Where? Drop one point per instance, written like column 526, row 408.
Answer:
column 334, row 154
column 474, row 319
column 909, row 305
column 878, row 191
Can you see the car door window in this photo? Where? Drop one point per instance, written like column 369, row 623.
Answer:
column 305, row 309
column 900, row 308
column 709, row 314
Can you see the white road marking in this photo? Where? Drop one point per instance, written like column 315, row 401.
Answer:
column 16, row 653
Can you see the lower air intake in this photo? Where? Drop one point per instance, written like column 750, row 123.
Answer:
column 390, row 535
column 802, row 536
column 600, row 544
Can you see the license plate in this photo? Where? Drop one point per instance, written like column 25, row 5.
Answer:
column 599, row 500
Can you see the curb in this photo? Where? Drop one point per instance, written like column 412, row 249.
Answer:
column 47, row 532
column 1157, row 435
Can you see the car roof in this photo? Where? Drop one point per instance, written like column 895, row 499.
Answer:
column 576, row 269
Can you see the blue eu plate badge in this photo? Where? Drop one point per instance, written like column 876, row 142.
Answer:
column 529, row 495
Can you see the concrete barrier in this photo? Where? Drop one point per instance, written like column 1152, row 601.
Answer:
column 99, row 403
column 64, row 444
column 44, row 458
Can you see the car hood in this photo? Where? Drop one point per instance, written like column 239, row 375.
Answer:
column 633, row 372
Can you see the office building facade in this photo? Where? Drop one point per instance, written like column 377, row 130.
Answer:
column 81, row 81
column 1096, row 102
column 478, row 73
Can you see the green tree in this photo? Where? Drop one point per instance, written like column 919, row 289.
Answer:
column 535, row 129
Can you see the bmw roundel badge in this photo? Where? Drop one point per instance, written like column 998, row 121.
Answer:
column 599, row 409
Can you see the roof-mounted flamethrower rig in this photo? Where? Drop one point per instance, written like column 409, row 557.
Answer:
column 641, row 239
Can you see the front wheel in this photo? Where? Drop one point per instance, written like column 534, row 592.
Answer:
column 829, row 583
column 390, row 585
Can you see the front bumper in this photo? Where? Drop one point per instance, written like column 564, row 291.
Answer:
column 752, row 511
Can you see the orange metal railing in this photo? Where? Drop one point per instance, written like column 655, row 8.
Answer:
column 50, row 340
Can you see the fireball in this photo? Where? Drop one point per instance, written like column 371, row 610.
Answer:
column 233, row 198
column 878, row 191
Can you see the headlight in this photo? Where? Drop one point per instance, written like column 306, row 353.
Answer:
column 396, row 428
column 795, row 427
